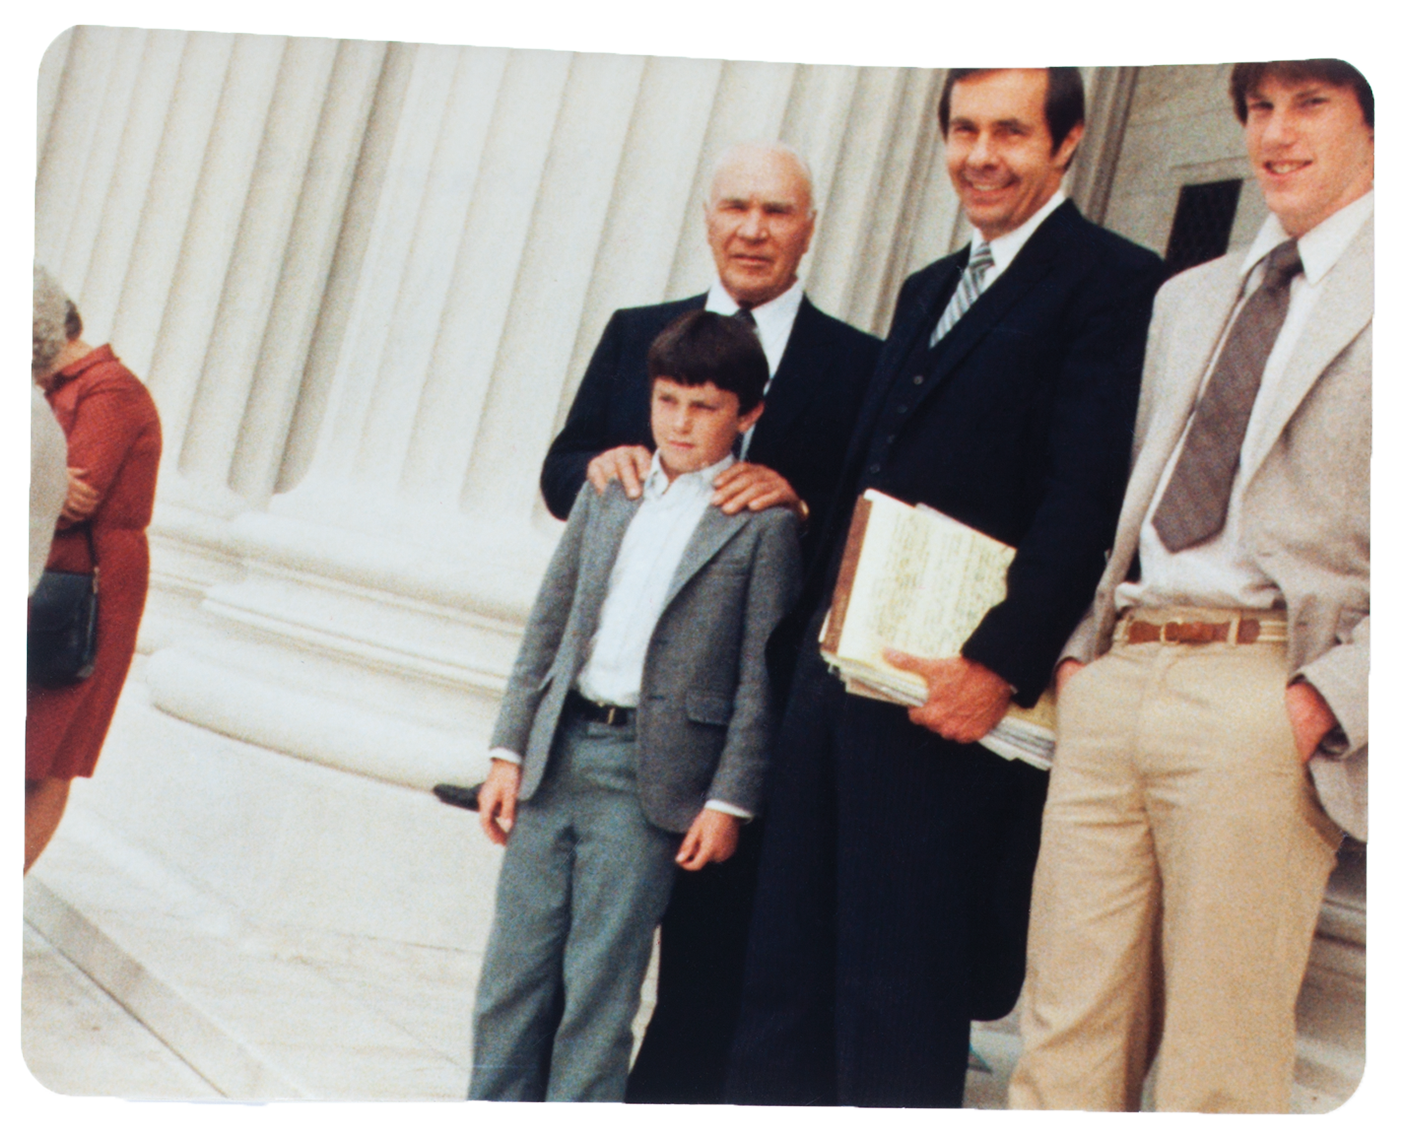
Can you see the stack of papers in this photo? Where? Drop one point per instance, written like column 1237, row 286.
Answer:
column 916, row 580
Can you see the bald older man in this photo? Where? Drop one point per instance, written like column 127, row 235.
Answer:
column 760, row 218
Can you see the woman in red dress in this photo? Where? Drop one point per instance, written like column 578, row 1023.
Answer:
column 114, row 446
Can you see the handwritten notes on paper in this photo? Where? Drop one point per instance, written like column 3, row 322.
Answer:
column 916, row 580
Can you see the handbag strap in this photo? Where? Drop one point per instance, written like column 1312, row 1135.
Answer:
column 92, row 552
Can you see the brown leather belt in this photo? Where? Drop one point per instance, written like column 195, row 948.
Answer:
column 578, row 705
column 1236, row 631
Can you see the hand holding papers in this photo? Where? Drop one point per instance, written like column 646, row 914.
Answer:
column 964, row 700
column 917, row 581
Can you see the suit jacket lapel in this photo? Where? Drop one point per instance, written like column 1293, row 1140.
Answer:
column 616, row 512
column 1031, row 264
column 793, row 386
column 913, row 334
column 905, row 338
column 713, row 532
column 1190, row 358
column 1345, row 307
column 1155, row 440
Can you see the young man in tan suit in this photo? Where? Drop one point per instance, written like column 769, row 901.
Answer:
column 1215, row 747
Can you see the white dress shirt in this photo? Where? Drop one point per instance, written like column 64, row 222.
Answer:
column 1005, row 248
column 1222, row 571
column 643, row 571
column 775, row 320
column 648, row 558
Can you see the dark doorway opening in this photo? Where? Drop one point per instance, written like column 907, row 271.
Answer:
column 1203, row 223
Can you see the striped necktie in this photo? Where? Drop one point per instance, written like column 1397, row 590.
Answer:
column 971, row 282
column 1195, row 504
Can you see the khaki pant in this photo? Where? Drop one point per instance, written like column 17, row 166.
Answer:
column 1182, row 866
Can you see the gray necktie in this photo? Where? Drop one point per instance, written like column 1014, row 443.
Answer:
column 1195, row 503
column 971, row 282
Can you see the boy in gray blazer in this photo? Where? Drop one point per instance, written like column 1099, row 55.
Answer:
column 637, row 710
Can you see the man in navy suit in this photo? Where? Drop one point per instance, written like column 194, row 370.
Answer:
column 760, row 218
column 892, row 906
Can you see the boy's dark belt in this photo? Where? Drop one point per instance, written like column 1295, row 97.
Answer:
column 578, row 705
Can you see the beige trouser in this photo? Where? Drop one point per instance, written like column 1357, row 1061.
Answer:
column 1183, row 861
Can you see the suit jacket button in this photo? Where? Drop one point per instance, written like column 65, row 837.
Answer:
column 875, row 468
column 901, row 410
column 892, row 439
column 918, row 378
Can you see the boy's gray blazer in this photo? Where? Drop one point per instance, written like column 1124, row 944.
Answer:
column 704, row 719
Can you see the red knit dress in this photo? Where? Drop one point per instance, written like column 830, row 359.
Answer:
column 114, row 434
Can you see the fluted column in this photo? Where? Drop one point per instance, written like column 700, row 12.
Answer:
column 189, row 323
column 362, row 282
column 255, row 261
column 186, row 122
column 287, row 334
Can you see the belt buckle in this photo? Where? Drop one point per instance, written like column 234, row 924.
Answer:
column 1170, row 634
column 610, row 713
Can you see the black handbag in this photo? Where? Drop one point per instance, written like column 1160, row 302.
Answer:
column 63, row 626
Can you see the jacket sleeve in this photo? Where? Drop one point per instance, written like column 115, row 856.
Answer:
column 586, row 431
column 1062, row 554
column 110, row 416
column 1342, row 677
column 542, row 637
column 771, row 591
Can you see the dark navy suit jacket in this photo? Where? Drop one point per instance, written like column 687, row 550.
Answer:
column 803, row 434
column 1020, row 426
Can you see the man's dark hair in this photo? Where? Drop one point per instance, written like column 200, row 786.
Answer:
column 702, row 346
column 1247, row 77
column 72, row 322
column 1063, row 103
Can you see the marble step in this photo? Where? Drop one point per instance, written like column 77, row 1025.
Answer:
column 239, row 1005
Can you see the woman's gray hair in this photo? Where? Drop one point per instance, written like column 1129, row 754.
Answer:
column 51, row 319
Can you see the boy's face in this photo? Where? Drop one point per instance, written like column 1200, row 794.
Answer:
column 694, row 426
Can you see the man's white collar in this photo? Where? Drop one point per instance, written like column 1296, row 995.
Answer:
column 782, row 308
column 1321, row 246
column 1007, row 246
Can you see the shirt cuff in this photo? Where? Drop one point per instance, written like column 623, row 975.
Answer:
column 498, row 753
column 729, row 809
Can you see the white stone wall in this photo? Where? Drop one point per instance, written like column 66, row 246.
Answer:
column 1180, row 130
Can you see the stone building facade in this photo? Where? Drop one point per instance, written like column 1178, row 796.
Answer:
column 362, row 281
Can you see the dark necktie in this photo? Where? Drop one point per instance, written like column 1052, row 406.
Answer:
column 739, row 448
column 1195, row 503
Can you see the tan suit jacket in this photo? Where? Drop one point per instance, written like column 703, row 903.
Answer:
column 1306, row 505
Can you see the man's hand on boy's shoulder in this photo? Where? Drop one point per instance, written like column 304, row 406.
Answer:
column 497, row 800
column 754, row 486
column 628, row 463
column 711, row 839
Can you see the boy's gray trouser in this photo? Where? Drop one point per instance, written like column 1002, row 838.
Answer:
column 584, row 882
